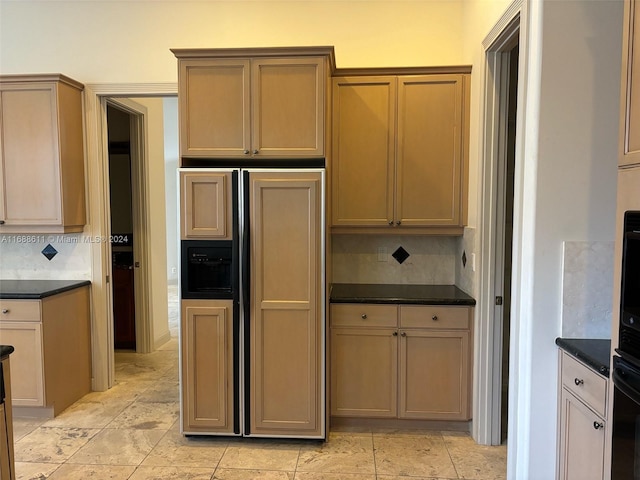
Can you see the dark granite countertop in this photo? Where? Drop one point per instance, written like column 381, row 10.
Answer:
column 5, row 351
column 37, row 289
column 407, row 294
column 594, row 352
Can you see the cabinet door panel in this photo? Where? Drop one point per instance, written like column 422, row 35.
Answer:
column 214, row 107
column 288, row 107
column 581, row 445
column 364, row 148
column 286, row 303
column 207, row 366
column 364, row 364
column 206, row 205
column 429, row 150
column 30, row 157
column 27, row 373
column 434, row 375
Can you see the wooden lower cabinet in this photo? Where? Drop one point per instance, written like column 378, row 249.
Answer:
column 401, row 361
column 364, row 372
column 582, row 427
column 207, row 366
column 434, row 375
column 7, row 461
column 47, row 374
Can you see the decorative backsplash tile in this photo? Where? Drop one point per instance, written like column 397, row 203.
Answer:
column 587, row 289
column 465, row 248
column 356, row 259
column 21, row 257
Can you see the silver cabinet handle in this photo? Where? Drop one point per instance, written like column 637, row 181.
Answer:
column 395, row 334
column 246, row 152
column 5, row 310
column 390, row 222
column 578, row 381
column 434, row 318
column 404, row 334
column 364, row 316
column 398, row 222
column 255, row 151
column 598, row 425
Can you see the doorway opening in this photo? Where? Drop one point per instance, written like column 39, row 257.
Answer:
column 121, row 207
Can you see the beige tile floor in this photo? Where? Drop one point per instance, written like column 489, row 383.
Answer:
column 131, row 432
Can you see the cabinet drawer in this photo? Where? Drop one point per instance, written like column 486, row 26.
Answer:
column 13, row 310
column 435, row 316
column 364, row 315
column 584, row 383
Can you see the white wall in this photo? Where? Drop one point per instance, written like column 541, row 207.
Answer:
column 171, row 156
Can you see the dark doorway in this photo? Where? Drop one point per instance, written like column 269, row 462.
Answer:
column 120, row 189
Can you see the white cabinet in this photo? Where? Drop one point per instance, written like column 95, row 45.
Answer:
column 583, row 424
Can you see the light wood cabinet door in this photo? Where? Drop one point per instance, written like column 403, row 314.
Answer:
column 288, row 104
column 434, row 375
column 207, row 366
column 364, row 117
column 582, row 440
column 5, row 465
column 287, row 321
column 400, row 153
column 629, row 151
column 214, row 102
column 27, row 386
column 429, row 161
column 252, row 107
column 7, row 456
column 364, row 366
column 205, row 205
column 41, row 155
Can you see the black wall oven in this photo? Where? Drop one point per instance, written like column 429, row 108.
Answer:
column 207, row 269
column 625, row 455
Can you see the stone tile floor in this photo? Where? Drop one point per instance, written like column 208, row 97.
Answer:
column 131, row 432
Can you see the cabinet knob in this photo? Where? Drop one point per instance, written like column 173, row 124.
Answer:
column 404, row 334
column 5, row 310
column 255, row 151
column 395, row 334
column 364, row 316
column 434, row 318
column 578, row 381
column 598, row 425
column 246, row 152
column 1, row 222
column 390, row 222
column 398, row 222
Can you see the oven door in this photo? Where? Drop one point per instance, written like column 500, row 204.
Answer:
column 625, row 460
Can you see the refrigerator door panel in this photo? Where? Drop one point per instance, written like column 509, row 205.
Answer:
column 286, row 324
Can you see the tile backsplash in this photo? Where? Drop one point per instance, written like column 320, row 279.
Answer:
column 21, row 257
column 368, row 259
column 587, row 289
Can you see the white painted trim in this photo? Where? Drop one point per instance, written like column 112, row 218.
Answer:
column 95, row 118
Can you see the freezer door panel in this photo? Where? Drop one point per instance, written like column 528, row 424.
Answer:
column 286, row 314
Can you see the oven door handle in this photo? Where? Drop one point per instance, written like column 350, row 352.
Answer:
column 624, row 386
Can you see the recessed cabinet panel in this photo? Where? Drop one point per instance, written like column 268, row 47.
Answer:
column 364, row 142
column 42, row 184
column 288, row 106
column 434, row 375
column 207, row 365
column 214, row 107
column 364, row 365
column 205, row 205
column 26, row 362
column 429, row 156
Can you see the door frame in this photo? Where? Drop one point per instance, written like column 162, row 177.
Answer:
column 141, row 251
column 95, row 101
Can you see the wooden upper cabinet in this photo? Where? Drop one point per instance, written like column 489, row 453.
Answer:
column 42, row 184
column 400, row 152
column 629, row 152
column 253, row 102
column 205, row 205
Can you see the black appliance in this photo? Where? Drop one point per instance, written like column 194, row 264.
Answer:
column 208, row 269
column 625, row 460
